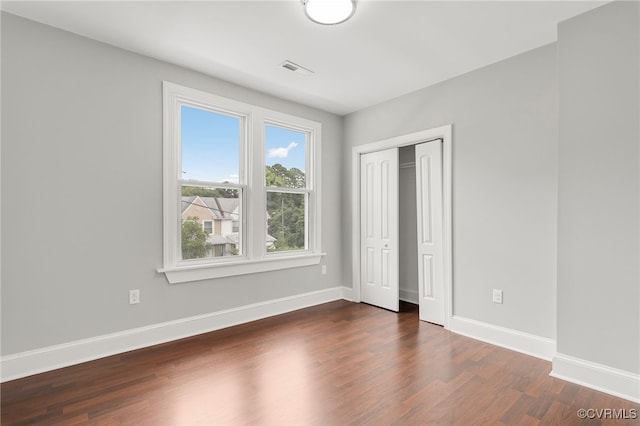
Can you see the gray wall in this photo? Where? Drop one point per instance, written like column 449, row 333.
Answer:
column 82, row 192
column 504, row 183
column 81, row 189
column 599, row 192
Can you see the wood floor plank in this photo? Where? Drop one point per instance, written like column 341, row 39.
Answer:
column 338, row 363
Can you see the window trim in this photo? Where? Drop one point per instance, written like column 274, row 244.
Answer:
column 255, row 257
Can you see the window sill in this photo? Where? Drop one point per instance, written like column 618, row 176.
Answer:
column 181, row 274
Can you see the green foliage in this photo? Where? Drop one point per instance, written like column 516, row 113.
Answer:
column 189, row 191
column 286, row 211
column 194, row 239
column 279, row 176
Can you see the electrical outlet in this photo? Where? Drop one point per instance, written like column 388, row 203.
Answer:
column 134, row 296
column 497, row 296
column 324, row 269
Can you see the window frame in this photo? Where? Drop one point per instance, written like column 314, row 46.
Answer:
column 310, row 182
column 253, row 221
column 204, row 225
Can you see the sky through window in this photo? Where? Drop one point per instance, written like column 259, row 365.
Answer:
column 211, row 146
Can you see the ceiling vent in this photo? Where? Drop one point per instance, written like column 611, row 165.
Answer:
column 288, row 65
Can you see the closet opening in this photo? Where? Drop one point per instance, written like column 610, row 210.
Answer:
column 402, row 223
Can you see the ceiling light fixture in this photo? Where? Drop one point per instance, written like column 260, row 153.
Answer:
column 329, row 12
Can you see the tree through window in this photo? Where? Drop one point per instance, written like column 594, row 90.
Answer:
column 241, row 191
column 286, row 187
column 211, row 185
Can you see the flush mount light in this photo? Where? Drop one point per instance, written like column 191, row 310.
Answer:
column 329, row 12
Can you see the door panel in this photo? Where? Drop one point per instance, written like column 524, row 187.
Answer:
column 379, row 229
column 430, row 233
column 427, row 276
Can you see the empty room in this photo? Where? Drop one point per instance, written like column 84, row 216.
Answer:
column 320, row 212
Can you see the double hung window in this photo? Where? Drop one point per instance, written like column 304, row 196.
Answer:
column 241, row 192
column 287, row 190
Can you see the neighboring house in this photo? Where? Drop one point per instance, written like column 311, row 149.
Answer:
column 219, row 218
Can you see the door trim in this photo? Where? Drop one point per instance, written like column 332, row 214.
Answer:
column 445, row 134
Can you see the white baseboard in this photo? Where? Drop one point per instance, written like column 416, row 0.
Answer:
column 410, row 296
column 50, row 358
column 596, row 376
column 348, row 293
column 530, row 344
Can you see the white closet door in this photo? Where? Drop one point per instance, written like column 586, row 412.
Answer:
column 430, row 233
column 379, row 229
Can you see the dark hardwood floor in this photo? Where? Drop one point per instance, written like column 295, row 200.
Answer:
column 334, row 364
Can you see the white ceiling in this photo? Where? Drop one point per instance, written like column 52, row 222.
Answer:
column 387, row 49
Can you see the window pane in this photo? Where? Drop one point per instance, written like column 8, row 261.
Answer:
column 211, row 220
column 286, row 157
column 210, row 146
column 286, row 221
column 208, row 226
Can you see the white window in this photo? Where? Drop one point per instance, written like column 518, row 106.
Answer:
column 241, row 192
column 288, row 190
column 207, row 226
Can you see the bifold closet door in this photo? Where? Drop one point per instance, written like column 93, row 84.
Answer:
column 379, row 229
column 430, row 232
